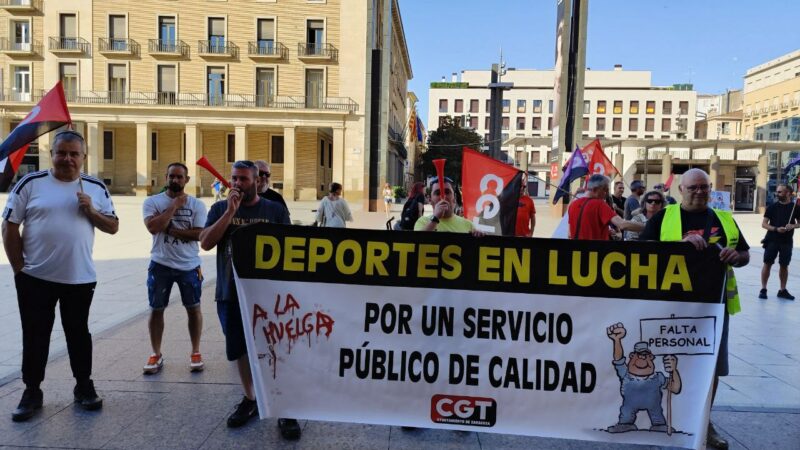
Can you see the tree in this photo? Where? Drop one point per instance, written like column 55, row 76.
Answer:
column 447, row 142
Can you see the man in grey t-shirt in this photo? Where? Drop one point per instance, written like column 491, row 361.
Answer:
column 175, row 220
column 633, row 203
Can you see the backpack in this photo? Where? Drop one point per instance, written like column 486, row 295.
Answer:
column 410, row 214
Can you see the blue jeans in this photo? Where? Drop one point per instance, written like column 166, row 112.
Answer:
column 160, row 279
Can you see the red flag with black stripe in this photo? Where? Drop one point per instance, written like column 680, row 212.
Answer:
column 49, row 114
column 491, row 191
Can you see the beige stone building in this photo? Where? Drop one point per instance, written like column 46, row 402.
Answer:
column 298, row 83
column 720, row 126
column 771, row 95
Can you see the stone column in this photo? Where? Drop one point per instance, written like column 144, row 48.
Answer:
column 144, row 163
column 338, row 156
column 713, row 171
column 761, row 183
column 193, row 153
column 94, row 141
column 619, row 161
column 289, row 164
column 45, row 162
column 666, row 167
column 240, row 138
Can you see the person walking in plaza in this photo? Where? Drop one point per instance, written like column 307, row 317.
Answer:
column 695, row 222
column 388, row 196
column 652, row 202
column 413, row 209
column 780, row 220
column 242, row 207
column 175, row 220
column 333, row 210
column 264, row 189
column 59, row 210
column 526, row 214
column 590, row 216
column 633, row 202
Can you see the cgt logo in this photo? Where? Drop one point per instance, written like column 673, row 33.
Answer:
column 460, row 410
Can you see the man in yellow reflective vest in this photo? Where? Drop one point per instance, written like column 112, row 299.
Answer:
column 695, row 222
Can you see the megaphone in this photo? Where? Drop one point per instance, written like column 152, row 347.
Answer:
column 439, row 164
column 203, row 162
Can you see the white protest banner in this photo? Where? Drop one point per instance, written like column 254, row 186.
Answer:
column 524, row 336
column 680, row 335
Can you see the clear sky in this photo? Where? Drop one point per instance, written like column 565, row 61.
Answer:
column 710, row 43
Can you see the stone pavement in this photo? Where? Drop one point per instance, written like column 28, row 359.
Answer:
column 758, row 406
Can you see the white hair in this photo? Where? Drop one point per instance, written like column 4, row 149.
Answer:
column 597, row 181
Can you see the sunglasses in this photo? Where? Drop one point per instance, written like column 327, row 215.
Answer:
column 698, row 187
column 69, row 133
column 656, row 201
column 264, row 174
column 244, row 164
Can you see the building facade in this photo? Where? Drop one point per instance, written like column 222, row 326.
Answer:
column 307, row 85
column 771, row 95
column 618, row 104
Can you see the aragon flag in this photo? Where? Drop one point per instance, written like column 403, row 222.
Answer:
column 490, row 191
column 50, row 113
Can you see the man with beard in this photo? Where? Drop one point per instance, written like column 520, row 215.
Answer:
column 175, row 220
column 242, row 207
column 780, row 220
column 51, row 256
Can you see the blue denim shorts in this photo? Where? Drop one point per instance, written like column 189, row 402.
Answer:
column 232, row 327
column 160, row 279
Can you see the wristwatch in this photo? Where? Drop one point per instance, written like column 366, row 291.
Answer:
column 434, row 219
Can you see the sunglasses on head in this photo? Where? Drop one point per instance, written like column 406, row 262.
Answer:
column 244, row 164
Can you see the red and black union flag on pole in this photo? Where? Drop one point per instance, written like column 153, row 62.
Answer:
column 49, row 114
column 491, row 193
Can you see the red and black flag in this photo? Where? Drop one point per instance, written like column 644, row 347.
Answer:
column 49, row 114
column 491, row 193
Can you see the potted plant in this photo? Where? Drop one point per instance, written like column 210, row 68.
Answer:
column 400, row 193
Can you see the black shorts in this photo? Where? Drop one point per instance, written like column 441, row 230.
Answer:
column 722, row 359
column 773, row 248
column 231, row 320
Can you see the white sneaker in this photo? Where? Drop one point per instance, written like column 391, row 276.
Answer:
column 154, row 364
column 196, row 363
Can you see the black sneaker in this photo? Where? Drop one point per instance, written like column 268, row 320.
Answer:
column 783, row 293
column 290, row 429
column 31, row 402
column 762, row 294
column 245, row 411
column 86, row 397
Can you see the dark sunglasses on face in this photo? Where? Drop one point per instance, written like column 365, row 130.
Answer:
column 264, row 174
column 656, row 201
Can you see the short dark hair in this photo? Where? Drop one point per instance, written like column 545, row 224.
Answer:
column 246, row 164
column 786, row 185
column 69, row 136
column 335, row 187
column 179, row 164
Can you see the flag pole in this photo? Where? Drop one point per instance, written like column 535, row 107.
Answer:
column 552, row 185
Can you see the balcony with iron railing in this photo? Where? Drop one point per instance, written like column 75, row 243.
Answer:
column 118, row 46
column 21, row 5
column 188, row 99
column 10, row 47
column 74, row 45
column 224, row 49
column 169, row 48
column 267, row 50
column 317, row 51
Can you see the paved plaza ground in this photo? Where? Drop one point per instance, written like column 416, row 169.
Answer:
column 758, row 405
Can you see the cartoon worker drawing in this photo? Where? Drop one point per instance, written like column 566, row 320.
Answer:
column 640, row 384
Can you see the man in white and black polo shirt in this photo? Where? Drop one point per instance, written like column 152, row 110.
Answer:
column 52, row 261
